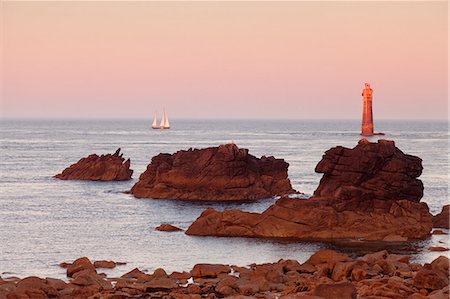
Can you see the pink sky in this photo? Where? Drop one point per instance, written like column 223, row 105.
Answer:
column 224, row 59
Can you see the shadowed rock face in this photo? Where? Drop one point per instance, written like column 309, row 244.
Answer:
column 370, row 171
column 110, row 167
column 216, row 173
column 363, row 195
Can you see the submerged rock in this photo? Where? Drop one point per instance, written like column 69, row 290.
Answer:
column 363, row 195
column 165, row 227
column 110, row 167
column 216, row 173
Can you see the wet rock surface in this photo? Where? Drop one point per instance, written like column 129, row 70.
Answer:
column 110, row 167
column 216, row 173
column 326, row 274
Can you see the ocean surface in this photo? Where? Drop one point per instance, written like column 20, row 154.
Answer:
column 45, row 221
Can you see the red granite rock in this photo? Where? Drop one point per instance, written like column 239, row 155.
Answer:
column 333, row 275
column 110, row 167
column 165, row 227
column 348, row 203
column 319, row 219
column 105, row 264
column 370, row 171
column 216, row 173
column 80, row 264
column 442, row 219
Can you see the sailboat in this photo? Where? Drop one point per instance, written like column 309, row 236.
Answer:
column 155, row 122
column 164, row 121
column 164, row 124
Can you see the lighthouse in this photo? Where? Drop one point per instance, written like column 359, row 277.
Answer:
column 367, row 117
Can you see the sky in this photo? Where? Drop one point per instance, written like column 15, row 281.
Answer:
column 265, row 60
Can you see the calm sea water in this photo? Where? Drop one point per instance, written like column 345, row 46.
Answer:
column 45, row 221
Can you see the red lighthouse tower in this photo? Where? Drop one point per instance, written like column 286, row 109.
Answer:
column 367, row 116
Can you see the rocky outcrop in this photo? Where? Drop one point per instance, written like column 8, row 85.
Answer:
column 216, row 173
column 320, row 219
column 326, row 274
column 110, row 167
column 370, row 171
column 443, row 218
column 366, row 209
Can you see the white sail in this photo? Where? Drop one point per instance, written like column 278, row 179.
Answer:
column 155, row 122
column 161, row 124
column 166, row 121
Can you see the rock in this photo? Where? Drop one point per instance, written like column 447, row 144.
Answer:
column 105, row 264
column 209, row 270
column 441, row 264
column 165, row 227
column 326, row 274
column 89, row 278
column 441, row 220
column 327, row 256
column 392, row 214
column 438, row 231
column 110, row 167
column 370, row 171
column 80, row 264
column 319, row 219
column 438, row 248
column 64, row 265
column 343, row 290
column 429, row 278
column 181, row 275
column 216, row 173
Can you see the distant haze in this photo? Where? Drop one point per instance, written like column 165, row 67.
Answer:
column 291, row 60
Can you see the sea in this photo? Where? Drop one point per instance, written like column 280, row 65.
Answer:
column 45, row 221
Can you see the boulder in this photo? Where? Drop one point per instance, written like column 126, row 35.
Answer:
column 431, row 279
column 110, row 167
column 343, row 290
column 209, row 270
column 216, row 173
column 442, row 219
column 80, row 264
column 393, row 215
column 105, row 264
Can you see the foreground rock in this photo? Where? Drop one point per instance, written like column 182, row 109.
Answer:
column 216, row 173
column 376, row 206
column 110, row 167
column 326, row 274
column 442, row 219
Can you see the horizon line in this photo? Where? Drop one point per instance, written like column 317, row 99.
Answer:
column 3, row 118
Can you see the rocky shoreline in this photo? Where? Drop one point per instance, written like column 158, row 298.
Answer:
column 326, row 274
